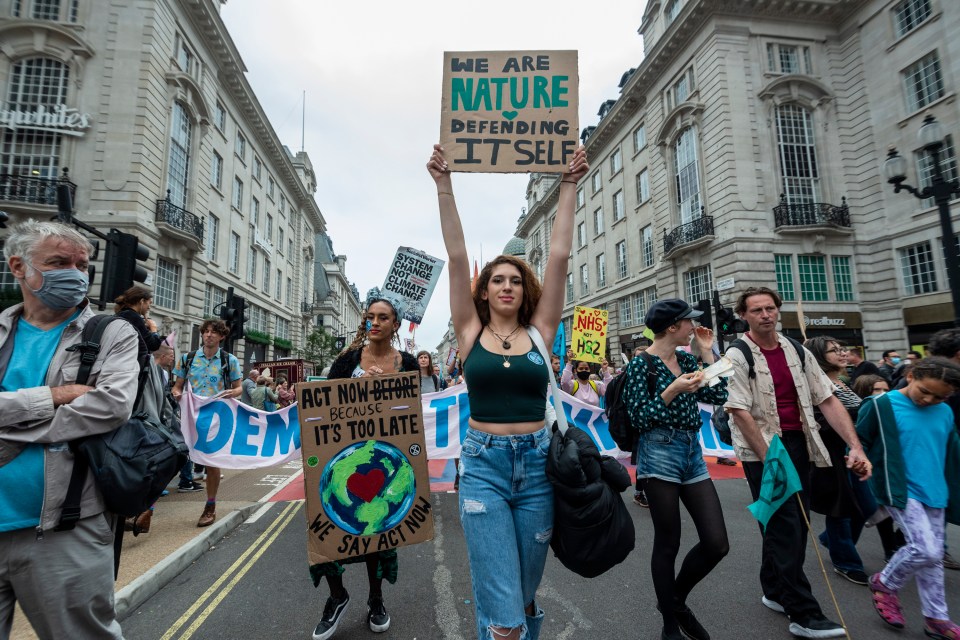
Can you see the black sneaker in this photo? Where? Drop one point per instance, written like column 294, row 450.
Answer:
column 690, row 627
column 332, row 614
column 377, row 616
column 853, row 575
column 816, row 627
column 640, row 499
column 189, row 488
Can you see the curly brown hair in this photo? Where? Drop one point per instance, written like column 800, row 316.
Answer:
column 360, row 338
column 217, row 325
column 528, row 280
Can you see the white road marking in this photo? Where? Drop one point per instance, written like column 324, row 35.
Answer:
column 266, row 499
column 447, row 617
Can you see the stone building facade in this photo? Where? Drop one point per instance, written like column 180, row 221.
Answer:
column 164, row 139
column 747, row 148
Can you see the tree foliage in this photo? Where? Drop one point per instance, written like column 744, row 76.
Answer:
column 319, row 348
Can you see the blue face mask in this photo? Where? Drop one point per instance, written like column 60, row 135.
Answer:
column 62, row 288
column 895, row 360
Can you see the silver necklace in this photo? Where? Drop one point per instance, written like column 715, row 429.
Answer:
column 505, row 340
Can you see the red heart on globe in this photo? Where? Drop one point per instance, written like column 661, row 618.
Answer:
column 366, row 486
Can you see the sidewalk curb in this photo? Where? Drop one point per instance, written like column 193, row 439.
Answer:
column 140, row 590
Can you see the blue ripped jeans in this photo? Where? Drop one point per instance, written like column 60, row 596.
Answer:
column 506, row 508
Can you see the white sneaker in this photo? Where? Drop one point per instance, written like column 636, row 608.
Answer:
column 773, row 605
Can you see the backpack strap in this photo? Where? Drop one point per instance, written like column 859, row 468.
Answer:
column 224, row 366
column 651, row 373
column 744, row 348
column 801, row 353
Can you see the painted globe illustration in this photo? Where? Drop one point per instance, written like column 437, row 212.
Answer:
column 368, row 488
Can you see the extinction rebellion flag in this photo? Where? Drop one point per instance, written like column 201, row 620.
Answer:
column 780, row 481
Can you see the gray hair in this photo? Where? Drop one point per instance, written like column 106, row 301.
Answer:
column 27, row 235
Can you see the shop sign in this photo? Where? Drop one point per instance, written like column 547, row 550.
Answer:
column 56, row 118
column 824, row 321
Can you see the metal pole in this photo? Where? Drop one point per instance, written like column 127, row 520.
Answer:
column 942, row 192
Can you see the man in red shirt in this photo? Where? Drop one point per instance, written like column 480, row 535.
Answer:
column 778, row 399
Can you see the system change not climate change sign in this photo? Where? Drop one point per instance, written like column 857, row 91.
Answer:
column 365, row 465
column 509, row 111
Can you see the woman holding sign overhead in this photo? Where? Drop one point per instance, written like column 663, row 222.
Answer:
column 370, row 354
column 506, row 501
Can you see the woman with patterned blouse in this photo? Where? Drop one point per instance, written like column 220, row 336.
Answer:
column 670, row 459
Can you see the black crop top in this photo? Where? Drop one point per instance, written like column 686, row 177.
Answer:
column 503, row 395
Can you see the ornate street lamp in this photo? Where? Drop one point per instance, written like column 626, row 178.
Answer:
column 941, row 190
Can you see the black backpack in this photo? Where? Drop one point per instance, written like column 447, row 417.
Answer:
column 744, row 348
column 622, row 431
column 132, row 464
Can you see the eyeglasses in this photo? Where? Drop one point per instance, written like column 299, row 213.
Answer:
column 837, row 350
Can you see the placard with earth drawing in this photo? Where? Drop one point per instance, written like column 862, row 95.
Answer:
column 364, row 465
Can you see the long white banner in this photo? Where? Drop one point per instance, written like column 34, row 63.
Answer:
column 225, row 433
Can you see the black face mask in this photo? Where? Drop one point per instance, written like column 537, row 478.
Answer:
column 583, row 375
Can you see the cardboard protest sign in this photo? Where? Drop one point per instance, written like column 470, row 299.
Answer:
column 589, row 340
column 411, row 279
column 364, row 465
column 509, row 111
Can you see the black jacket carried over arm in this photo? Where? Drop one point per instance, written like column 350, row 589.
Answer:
column 346, row 362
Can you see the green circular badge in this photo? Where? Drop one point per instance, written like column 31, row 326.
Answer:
column 313, row 461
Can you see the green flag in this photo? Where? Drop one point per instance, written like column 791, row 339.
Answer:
column 780, row 481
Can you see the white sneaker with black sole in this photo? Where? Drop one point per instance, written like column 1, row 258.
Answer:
column 377, row 617
column 332, row 615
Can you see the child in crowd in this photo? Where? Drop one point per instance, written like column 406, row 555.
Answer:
column 909, row 436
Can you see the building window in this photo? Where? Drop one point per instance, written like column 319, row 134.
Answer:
column 646, row 245
column 283, row 203
column 213, row 231
column 28, row 152
column 267, row 274
column 813, row 278
column 687, row 177
column 220, row 117
column 6, row 276
column 234, row 252
column 283, row 328
column 584, row 279
column 178, row 168
column 622, row 260
column 167, row 290
column 842, row 278
column 255, row 212
column 290, row 248
column 618, row 206
column 643, row 186
column 923, row 82
column 798, row 154
column 238, row 193
column 639, row 138
column 186, row 60
column 269, row 228
column 616, row 161
column 579, row 197
column 289, row 291
column 948, row 166
column 598, row 221
column 280, row 240
column 278, row 292
column 213, row 296
column 595, row 180
column 783, row 266
column 252, row 266
column 698, row 283
column 240, row 147
column 601, row 271
column 789, row 58
column 569, row 287
column 270, row 187
column 644, row 300
column 216, row 171
column 257, row 168
column 582, row 234
column 909, row 14
column 671, row 11
column 626, row 311
column 916, row 266
column 683, row 87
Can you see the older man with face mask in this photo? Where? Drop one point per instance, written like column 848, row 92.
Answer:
column 62, row 579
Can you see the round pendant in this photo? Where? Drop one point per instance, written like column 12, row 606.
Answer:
column 506, row 365
column 506, row 345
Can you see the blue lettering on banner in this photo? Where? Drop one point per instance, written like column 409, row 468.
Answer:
column 224, row 415
column 282, row 434
column 244, row 429
column 441, row 408
column 236, row 427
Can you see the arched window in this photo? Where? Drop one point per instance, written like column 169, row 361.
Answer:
column 33, row 152
column 687, row 175
column 798, row 154
column 178, row 167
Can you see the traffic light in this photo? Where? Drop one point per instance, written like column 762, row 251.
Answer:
column 120, row 266
column 728, row 323
column 227, row 312
column 706, row 319
column 238, row 306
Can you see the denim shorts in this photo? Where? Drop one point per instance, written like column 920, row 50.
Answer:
column 673, row 455
column 506, row 508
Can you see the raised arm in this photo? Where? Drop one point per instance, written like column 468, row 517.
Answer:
column 547, row 315
column 466, row 322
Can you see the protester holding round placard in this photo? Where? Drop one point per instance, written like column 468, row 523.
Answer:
column 370, row 354
column 663, row 407
column 506, row 501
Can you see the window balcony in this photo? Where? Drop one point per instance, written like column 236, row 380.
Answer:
column 179, row 222
column 801, row 216
column 688, row 236
column 33, row 190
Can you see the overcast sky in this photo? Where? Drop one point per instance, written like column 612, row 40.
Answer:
column 372, row 74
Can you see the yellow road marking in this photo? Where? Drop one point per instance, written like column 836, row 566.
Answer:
column 257, row 549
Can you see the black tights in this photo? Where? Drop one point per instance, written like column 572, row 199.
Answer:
column 703, row 504
column 376, row 584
